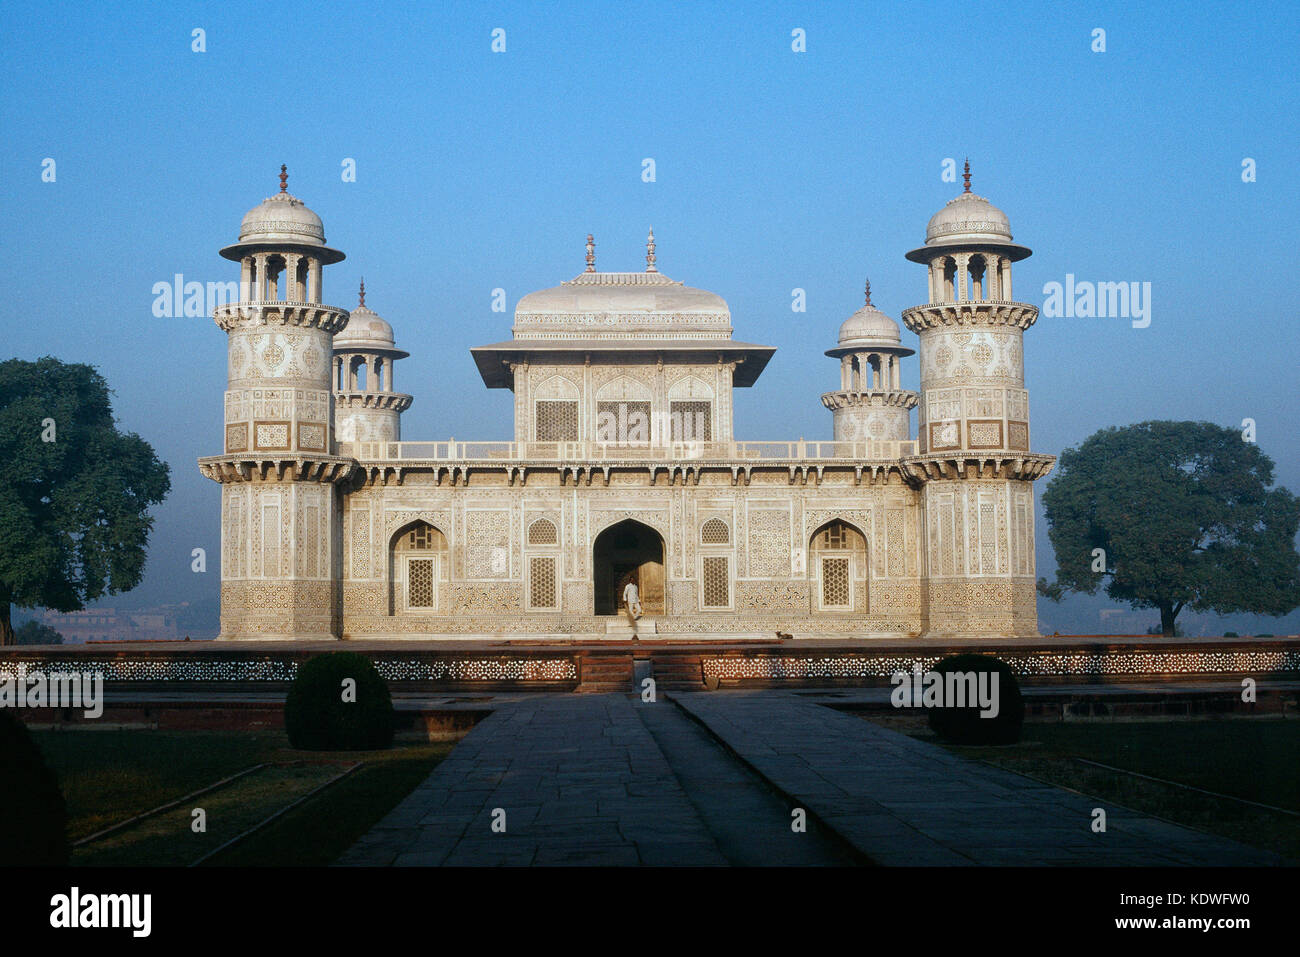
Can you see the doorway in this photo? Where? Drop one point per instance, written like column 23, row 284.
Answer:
column 628, row 552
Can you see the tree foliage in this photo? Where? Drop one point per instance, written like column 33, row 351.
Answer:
column 74, row 522
column 36, row 633
column 1185, row 515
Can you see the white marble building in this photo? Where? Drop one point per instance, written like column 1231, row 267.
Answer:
column 625, row 464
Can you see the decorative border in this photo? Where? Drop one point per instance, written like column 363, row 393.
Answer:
column 1044, row 663
column 273, row 669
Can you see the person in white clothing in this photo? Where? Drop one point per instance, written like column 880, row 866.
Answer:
column 632, row 598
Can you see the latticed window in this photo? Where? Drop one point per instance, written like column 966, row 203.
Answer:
column 715, row 532
column 717, row 582
column 419, row 583
column 557, row 421
column 691, row 421
column 543, row 532
column 835, row 536
column 420, row 537
column 541, row 581
column 835, row 583
column 623, row 422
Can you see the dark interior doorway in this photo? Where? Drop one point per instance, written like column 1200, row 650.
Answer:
column 628, row 551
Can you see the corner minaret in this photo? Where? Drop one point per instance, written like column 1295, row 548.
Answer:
column 871, row 403
column 366, row 409
column 280, row 550
column 974, row 466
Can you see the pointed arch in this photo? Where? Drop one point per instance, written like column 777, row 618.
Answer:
column 417, row 564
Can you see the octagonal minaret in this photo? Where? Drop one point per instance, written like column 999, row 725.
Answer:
column 871, row 403
column 974, row 463
column 366, row 409
column 280, row 506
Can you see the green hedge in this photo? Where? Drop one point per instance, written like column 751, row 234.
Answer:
column 965, row 725
column 319, row 719
column 33, row 817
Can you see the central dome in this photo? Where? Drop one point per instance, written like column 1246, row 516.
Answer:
column 621, row 293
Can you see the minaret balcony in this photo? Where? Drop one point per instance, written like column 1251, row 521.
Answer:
column 882, row 398
column 307, row 315
column 358, row 399
column 973, row 312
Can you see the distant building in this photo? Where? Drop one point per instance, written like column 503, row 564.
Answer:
column 110, row 624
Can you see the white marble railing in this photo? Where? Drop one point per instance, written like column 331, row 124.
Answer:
column 800, row 451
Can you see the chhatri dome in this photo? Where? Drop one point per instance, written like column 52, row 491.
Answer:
column 282, row 220
column 365, row 329
column 869, row 328
column 968, row 220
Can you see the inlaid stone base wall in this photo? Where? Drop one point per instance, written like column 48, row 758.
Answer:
column 982, row 606
column 290, row 609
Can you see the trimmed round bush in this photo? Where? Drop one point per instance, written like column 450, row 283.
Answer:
column 33, row 817
column 964, row 725
column 324, row 713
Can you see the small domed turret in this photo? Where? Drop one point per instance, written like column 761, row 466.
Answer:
column 366, row 406
column 871, row 403
column 282, row 221
column 968, row 221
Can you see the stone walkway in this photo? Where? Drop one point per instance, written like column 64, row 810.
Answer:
column 609, row 780
column 901, row 801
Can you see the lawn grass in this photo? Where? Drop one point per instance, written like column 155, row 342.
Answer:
column 315, row 834
column 110, row 776
column 1255, row 760
column 169, row 840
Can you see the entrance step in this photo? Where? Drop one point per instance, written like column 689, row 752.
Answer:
column 679, row 671
column 602, row 672
column 622, row 628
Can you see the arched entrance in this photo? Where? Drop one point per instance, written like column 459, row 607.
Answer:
column 628, row 551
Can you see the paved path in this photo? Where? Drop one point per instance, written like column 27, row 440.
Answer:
column 903, row 801
column 583, row 779
column 609, row 780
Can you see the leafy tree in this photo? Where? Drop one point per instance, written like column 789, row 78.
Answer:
column 1185, row 517
column 36, row 633
column 74, row 519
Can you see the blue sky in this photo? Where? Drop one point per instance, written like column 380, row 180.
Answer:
column 775, row 170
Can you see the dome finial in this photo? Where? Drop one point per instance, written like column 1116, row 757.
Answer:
column 284, row 178
column 650, row 252
column 591, row 253
column 868, row 291
column 363, row 293
column 966, row 176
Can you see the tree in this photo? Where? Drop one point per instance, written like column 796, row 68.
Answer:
column 1174, row 515
column 36, row 633
column 74, row 520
